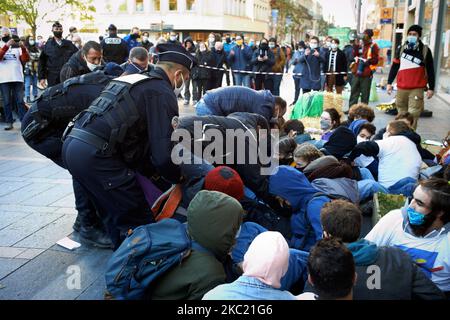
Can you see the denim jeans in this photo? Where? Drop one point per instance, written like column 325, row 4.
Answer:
column 297, row 88
column 276, row 85
column 367, row 188
column 202, row 109
column 241, row 79
column 31, row 80
column 16, row 89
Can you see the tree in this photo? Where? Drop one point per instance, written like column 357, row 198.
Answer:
column 298, row 14
column 32, row 12
column 324, row 26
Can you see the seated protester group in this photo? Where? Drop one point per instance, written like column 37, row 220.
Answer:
column 359, row 111
column 295, row 129
column 399, row 278
column 330, row 120
column 422, row 231
column 228, row 100
column 305, row 154
column 285, row 151
column 399, row 161
column 364, row 132
column 331, row 272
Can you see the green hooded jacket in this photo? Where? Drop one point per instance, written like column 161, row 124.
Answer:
column 213, row 219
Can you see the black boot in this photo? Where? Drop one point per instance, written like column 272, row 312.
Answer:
column 96, row 236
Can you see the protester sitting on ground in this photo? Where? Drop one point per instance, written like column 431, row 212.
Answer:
column 412, row 135
column 399, row 161
column 138, row 61
column 213, row 219
column 331, row 269
column 364, row 132
column 398, row 277
column 265, row 263
column 329, row 121
column 227, row 100
column 422, row 230
column 305, row 154
column 295, row 129
column 294, row 191
column 285, row 151
column 359, row 111
column 340, row 143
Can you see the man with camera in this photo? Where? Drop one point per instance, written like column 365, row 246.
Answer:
column 13, row 54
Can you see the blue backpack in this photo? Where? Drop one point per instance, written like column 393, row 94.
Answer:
column 146, row 254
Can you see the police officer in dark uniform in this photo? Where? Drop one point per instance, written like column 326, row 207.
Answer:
column 44, row 124
column 128, row 130
column 115, row 49
column 56, row 53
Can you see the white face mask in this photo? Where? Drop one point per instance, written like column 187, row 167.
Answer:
column 145, row 39
column 91, row 66
column 31, row 42
column 173, row 38
column 313, row 46
column 328, row 44
column 334, row 46
column 212, row 40
column 361, row 139
column 176, row 90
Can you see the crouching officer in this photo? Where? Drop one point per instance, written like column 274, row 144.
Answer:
column 43, row 126
column 128, row 130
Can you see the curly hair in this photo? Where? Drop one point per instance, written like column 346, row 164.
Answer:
column 361, row 111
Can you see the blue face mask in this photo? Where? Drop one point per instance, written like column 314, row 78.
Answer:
column 415, row 218
column 412, row 40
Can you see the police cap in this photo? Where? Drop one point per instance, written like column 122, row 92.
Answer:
column 176, row 54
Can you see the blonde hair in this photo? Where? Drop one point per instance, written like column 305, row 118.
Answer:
column 308, row 152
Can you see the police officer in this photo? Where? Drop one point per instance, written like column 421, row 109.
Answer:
column 114, row 48
column 128, row 130
column 43, row 126
column 56, row 53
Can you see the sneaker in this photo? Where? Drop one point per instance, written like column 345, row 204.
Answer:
column 392, row 112
column 426, row 114
column 194, row 102
column 9, row 126
column 186, row 102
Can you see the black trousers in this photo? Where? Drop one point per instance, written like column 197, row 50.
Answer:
column 263, row 82
column 111, row 185
column 199, row 88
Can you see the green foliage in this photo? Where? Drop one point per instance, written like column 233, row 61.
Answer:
column 30, row 11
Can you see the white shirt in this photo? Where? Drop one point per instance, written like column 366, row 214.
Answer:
column 431, row 253
column 11, row 69
column 399, row 159
column 307, row 296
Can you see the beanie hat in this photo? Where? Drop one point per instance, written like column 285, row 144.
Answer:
column 416, row 28
column 369, row 32
column 226, row 180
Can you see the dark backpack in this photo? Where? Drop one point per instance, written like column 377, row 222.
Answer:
column 266, row 217
column 147, row 253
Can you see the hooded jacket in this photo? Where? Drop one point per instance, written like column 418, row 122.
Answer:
column 223, row 101
column 312, row 67
column 213, row 221
column 341, row 142
column 250, row 173
column 265, row 263
column 293, row 186
column 400, row 279
column 340, row 188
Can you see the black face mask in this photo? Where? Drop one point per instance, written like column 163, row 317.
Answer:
column 228, row 40
column 6, row 39
column 264, row 46
column 134, row 36
column 58, row 34
column 219, row 51
column 113, row 34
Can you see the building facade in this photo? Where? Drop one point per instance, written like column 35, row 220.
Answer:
column 195, row 18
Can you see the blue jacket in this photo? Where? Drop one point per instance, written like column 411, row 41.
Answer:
column 312, row 68
column 293, row 186
column 247, row 288
column 227, row 100
column 295, row 61
column 242, row 58
column 228, row 46
column 131, row 42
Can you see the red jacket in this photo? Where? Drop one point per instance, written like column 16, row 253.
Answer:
column 372, row 62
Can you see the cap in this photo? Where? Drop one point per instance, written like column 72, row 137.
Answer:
column 369, row 32
column 226, row 180
column 112, row 27
column 177, row 54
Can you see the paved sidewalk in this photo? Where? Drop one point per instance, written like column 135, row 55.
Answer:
column 37, row 209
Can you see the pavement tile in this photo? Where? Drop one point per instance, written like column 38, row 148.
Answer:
column 30, row 254
column 49, row 196
column 7, row 266
column 10, row 252
column 25, row 193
